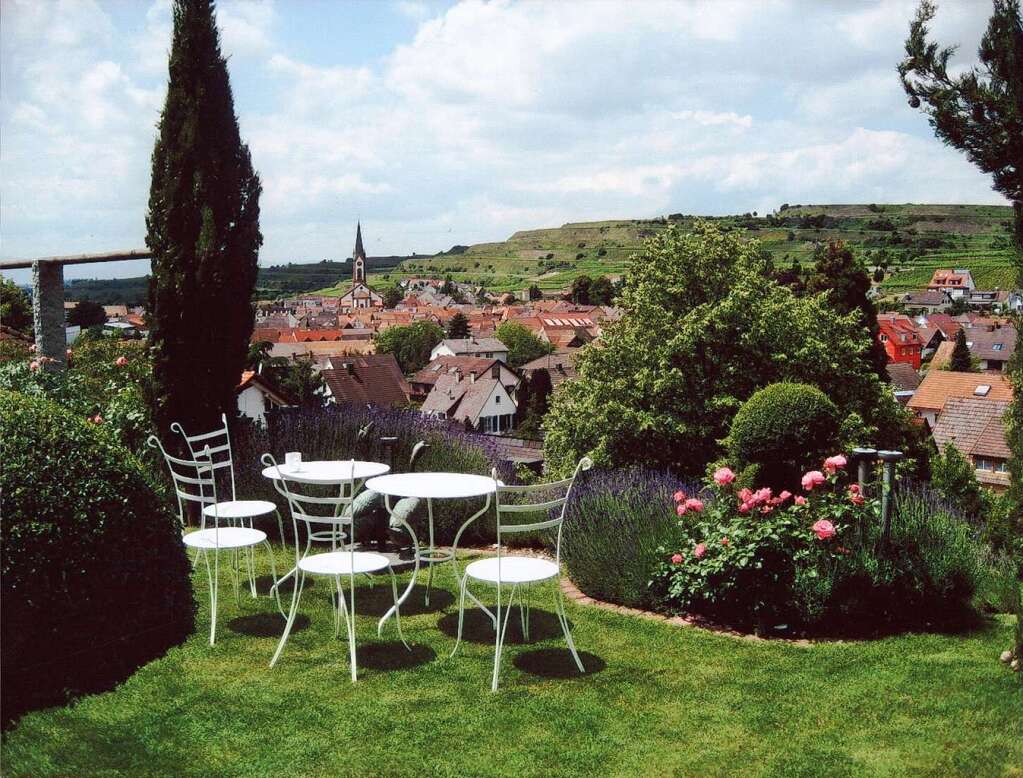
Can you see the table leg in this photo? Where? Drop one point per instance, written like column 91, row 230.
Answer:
column 429, row 576
column 415, row 569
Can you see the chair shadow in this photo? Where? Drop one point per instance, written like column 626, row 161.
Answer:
column 557, row 663
column 264, row 582
column 377, row 599
column 266, row 625
column 543, row 625
column 392, row 655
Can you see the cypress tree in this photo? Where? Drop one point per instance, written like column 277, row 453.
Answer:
column 203, row 229
column 458, row 326
column 960, row 359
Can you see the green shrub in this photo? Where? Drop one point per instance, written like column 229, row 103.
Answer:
column 95, row 577
column 784, row 430
column 614, row 524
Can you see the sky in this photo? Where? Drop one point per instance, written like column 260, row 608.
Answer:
column 442, row 123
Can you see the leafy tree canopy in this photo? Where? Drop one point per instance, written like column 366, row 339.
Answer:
column 523, row 345
column 392, row 295
column 953, row 476
column 411, row 345
column 704, row 327
column 87, row 314
column 15, row 309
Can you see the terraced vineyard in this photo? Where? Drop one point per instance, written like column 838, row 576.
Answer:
column 910, row 241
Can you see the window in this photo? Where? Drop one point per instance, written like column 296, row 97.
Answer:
column 997, row 346
column 497, row 400
column 884, row 338
column 982, row 390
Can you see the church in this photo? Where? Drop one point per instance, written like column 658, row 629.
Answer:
column 359, row 295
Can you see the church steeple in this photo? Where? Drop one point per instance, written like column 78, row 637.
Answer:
column 358, row 257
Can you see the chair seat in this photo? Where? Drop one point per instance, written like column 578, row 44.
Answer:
column 225, row 537
column 343, row 562
column 239, row 509
column 514, row 569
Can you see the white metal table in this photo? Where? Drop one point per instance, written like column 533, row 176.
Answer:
column 430, row 487
column 327, row 472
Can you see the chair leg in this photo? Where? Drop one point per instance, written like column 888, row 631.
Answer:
column 250, row 556
column 337, row 598
column 280, row 527
column 349, row 617
column 560, row 602
column 397, row 609
column 524, row 614
column 296, row 595
column 273, row 573
column 211, row 577
column 500, row 638
column 461, row 612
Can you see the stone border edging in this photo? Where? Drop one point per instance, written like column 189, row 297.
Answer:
column 572, row 592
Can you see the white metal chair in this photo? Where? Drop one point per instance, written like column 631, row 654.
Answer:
column 518, row 570
column 195, row 482
column 219, row 443
column 313, row 511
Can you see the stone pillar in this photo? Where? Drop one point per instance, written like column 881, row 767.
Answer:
column 48, row 311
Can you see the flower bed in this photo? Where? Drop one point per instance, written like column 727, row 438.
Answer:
column 814, row 561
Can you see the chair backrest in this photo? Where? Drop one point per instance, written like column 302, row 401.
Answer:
column 417, row 452
column 323, row 510
column 512, row 503
column 194, row 480
column 219, row 444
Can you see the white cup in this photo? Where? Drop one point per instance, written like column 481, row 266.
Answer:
column 293, row 459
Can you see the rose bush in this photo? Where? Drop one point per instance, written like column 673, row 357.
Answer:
column 749, row 555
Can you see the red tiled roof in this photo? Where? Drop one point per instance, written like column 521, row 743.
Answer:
column 373, row 379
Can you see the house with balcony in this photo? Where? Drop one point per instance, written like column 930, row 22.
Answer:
column 957, row 283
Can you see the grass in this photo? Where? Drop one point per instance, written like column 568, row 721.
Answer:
column 656, row 700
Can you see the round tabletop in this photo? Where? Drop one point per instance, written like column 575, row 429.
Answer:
column 330, row 471
column 433, row 485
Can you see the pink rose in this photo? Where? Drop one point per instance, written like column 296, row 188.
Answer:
column 812, row 479
column 745, row 495
column 854, row 488
column 121, row 361
column 745, row 507
column 33, row 348
column 824, row 529
column 681, row 509
column 676, row 559
column 679, row 496
column 700, row 550
column 762, row 495
column 800, row 500
column 766, row 509
column 724, row 541
column 33, row 365
column 68, row 353
column 784, row 496
column 693, row 504
column 723, row 476
column 857, row 499
column 835, row 463
column 97, row 419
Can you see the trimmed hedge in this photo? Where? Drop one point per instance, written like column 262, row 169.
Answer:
column 95, row 580
column 784, row 430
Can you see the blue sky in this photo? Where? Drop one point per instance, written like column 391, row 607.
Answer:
column 461, row 122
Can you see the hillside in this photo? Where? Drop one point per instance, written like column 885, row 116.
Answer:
column 910, row 240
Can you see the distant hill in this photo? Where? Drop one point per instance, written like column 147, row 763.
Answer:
column 909, row 240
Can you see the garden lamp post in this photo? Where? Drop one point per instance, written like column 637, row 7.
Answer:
column 864, row 458
column 889, row 458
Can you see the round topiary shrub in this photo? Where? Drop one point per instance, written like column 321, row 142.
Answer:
column 784, row 430
column 95, row 580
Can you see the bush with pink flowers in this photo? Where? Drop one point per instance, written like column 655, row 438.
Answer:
column 756, row 559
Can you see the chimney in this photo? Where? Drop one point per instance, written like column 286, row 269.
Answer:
column 348, row 366
column 472, row 377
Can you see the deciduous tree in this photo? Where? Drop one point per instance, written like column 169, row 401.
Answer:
column 411, row 344
column 523, row 345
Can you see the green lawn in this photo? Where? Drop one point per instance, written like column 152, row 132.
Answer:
column 657, row 700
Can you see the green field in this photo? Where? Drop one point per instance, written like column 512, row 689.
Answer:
column 912, row 240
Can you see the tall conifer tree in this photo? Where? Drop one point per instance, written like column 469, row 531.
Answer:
column 960, row 359
column 203, row 230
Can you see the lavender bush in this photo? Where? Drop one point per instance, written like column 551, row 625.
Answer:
column 614, row 524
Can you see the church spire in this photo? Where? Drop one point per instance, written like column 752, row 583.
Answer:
column 358, row 257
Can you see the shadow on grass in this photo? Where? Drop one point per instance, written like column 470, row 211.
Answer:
column 557, row 663
column 266, row 625
column 543, row 625
column 375, row 600
column 392, row 655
